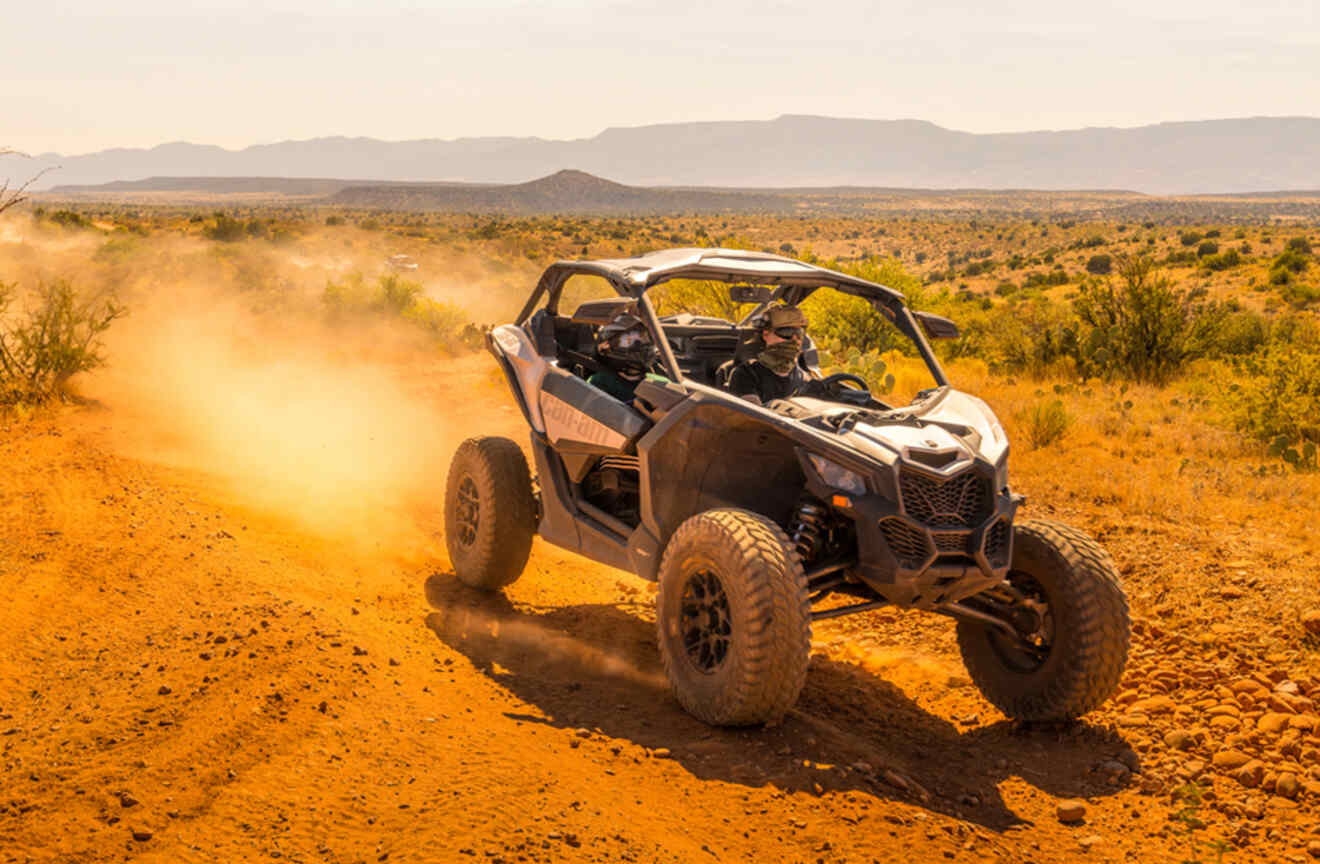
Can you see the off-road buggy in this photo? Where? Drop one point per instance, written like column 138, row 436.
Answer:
column 750, row 516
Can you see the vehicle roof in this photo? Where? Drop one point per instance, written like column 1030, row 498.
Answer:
column 636, row 275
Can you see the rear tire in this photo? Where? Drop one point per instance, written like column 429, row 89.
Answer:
column 733, row 618
column 1087, row 624
column 489, row 513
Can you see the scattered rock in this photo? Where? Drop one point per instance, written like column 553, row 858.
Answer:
column 1192, row 768
column 1250, row 774
column 141, row 835
column 164, row 691
column 1133, row 721
column 661, row 753
column 1313, row 848
column 1228, row 760
column 394, row 662
column 582, row 733
column 893, row 778
column 1286, row 785
column 1089, row 841
column 1273, row 723
column 1179, row 739
column 1311, row 621
column 1071, row 810
column 127, row 800
column 1154, row 705
column 1113, row 769
column 359, row 651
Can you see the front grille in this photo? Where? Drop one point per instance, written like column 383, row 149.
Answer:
column 963, row 501
column 906, row 542
column 951, row 544
column 996, row 541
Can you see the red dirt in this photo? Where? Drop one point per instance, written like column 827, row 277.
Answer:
column 188, row 675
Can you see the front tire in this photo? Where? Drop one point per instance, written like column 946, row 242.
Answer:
column 489, row 513
column 733, row 618
column 1082, row 647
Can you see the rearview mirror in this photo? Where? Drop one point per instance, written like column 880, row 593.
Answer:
column 937, row 326
column 750, row 293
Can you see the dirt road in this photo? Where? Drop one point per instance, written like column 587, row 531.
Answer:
column 186, row 675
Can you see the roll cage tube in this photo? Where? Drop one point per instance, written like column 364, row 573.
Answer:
column 552, row 283
column 791, row 289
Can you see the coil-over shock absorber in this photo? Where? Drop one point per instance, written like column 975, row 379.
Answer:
column 808, row 527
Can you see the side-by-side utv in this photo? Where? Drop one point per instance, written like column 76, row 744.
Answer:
column 751, row 516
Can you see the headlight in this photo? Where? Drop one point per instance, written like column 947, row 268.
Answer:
column 838, row 476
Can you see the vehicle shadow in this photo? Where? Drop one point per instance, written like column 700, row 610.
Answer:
column 597, row 667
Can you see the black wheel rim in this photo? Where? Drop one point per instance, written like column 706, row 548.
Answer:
column 468, row 511
column 1032, row 648
column 705, row 621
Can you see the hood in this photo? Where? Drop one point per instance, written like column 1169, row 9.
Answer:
column 943, row 430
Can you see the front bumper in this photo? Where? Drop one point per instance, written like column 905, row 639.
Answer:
column 913, row 557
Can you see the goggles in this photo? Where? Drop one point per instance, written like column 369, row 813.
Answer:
column 790, row 332
column 631, row 339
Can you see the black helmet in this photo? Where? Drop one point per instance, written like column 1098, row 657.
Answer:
column 625, row 345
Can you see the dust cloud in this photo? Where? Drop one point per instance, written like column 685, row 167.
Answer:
column 332, row 427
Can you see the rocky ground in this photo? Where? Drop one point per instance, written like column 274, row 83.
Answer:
column 188, row 676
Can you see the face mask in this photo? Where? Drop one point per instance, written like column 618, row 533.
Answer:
column 779, row 357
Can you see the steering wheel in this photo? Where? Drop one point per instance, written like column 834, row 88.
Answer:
column 834, row 388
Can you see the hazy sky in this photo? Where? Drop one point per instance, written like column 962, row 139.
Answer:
column 82, row 76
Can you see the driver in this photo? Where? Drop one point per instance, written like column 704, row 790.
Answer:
column 775, row 373
column 626, row 354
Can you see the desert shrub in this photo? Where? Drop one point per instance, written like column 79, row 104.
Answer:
column 1208, row 247
column 1144, row 329
column 69, row 219
column 1298, row 244
column 1279, row 405
column 1242, row 332
column 1054, row 277
column 1190, row 238
column 1045, row 422
column 1099, row 264
column 870, row 365
column 1224, row 261
column 226, row 229
column 334, row 221
column 697, row 297
column 391, row 297
column 57, row 336
column 1299, row 294
column 255, row 228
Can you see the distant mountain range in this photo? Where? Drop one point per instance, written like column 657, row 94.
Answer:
column 1220, row 156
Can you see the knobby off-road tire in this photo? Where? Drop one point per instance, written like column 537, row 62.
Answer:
column 1089, row 646
column 733, row 618
column 489, row 513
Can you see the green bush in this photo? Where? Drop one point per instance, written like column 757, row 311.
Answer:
column 70, row 219
column 1099, row 264
column 1280, row 403
column 391, row 297
column 1299, row 295
column 225, row 230
column 1144, row 329
column 1045, row 422
column 1209, row 247
column 1224, row 261
column 57, row 337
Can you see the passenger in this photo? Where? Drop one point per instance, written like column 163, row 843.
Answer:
column 624, row 348
column 775, row 372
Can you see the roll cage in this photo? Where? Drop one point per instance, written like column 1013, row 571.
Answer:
column 792, row 281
